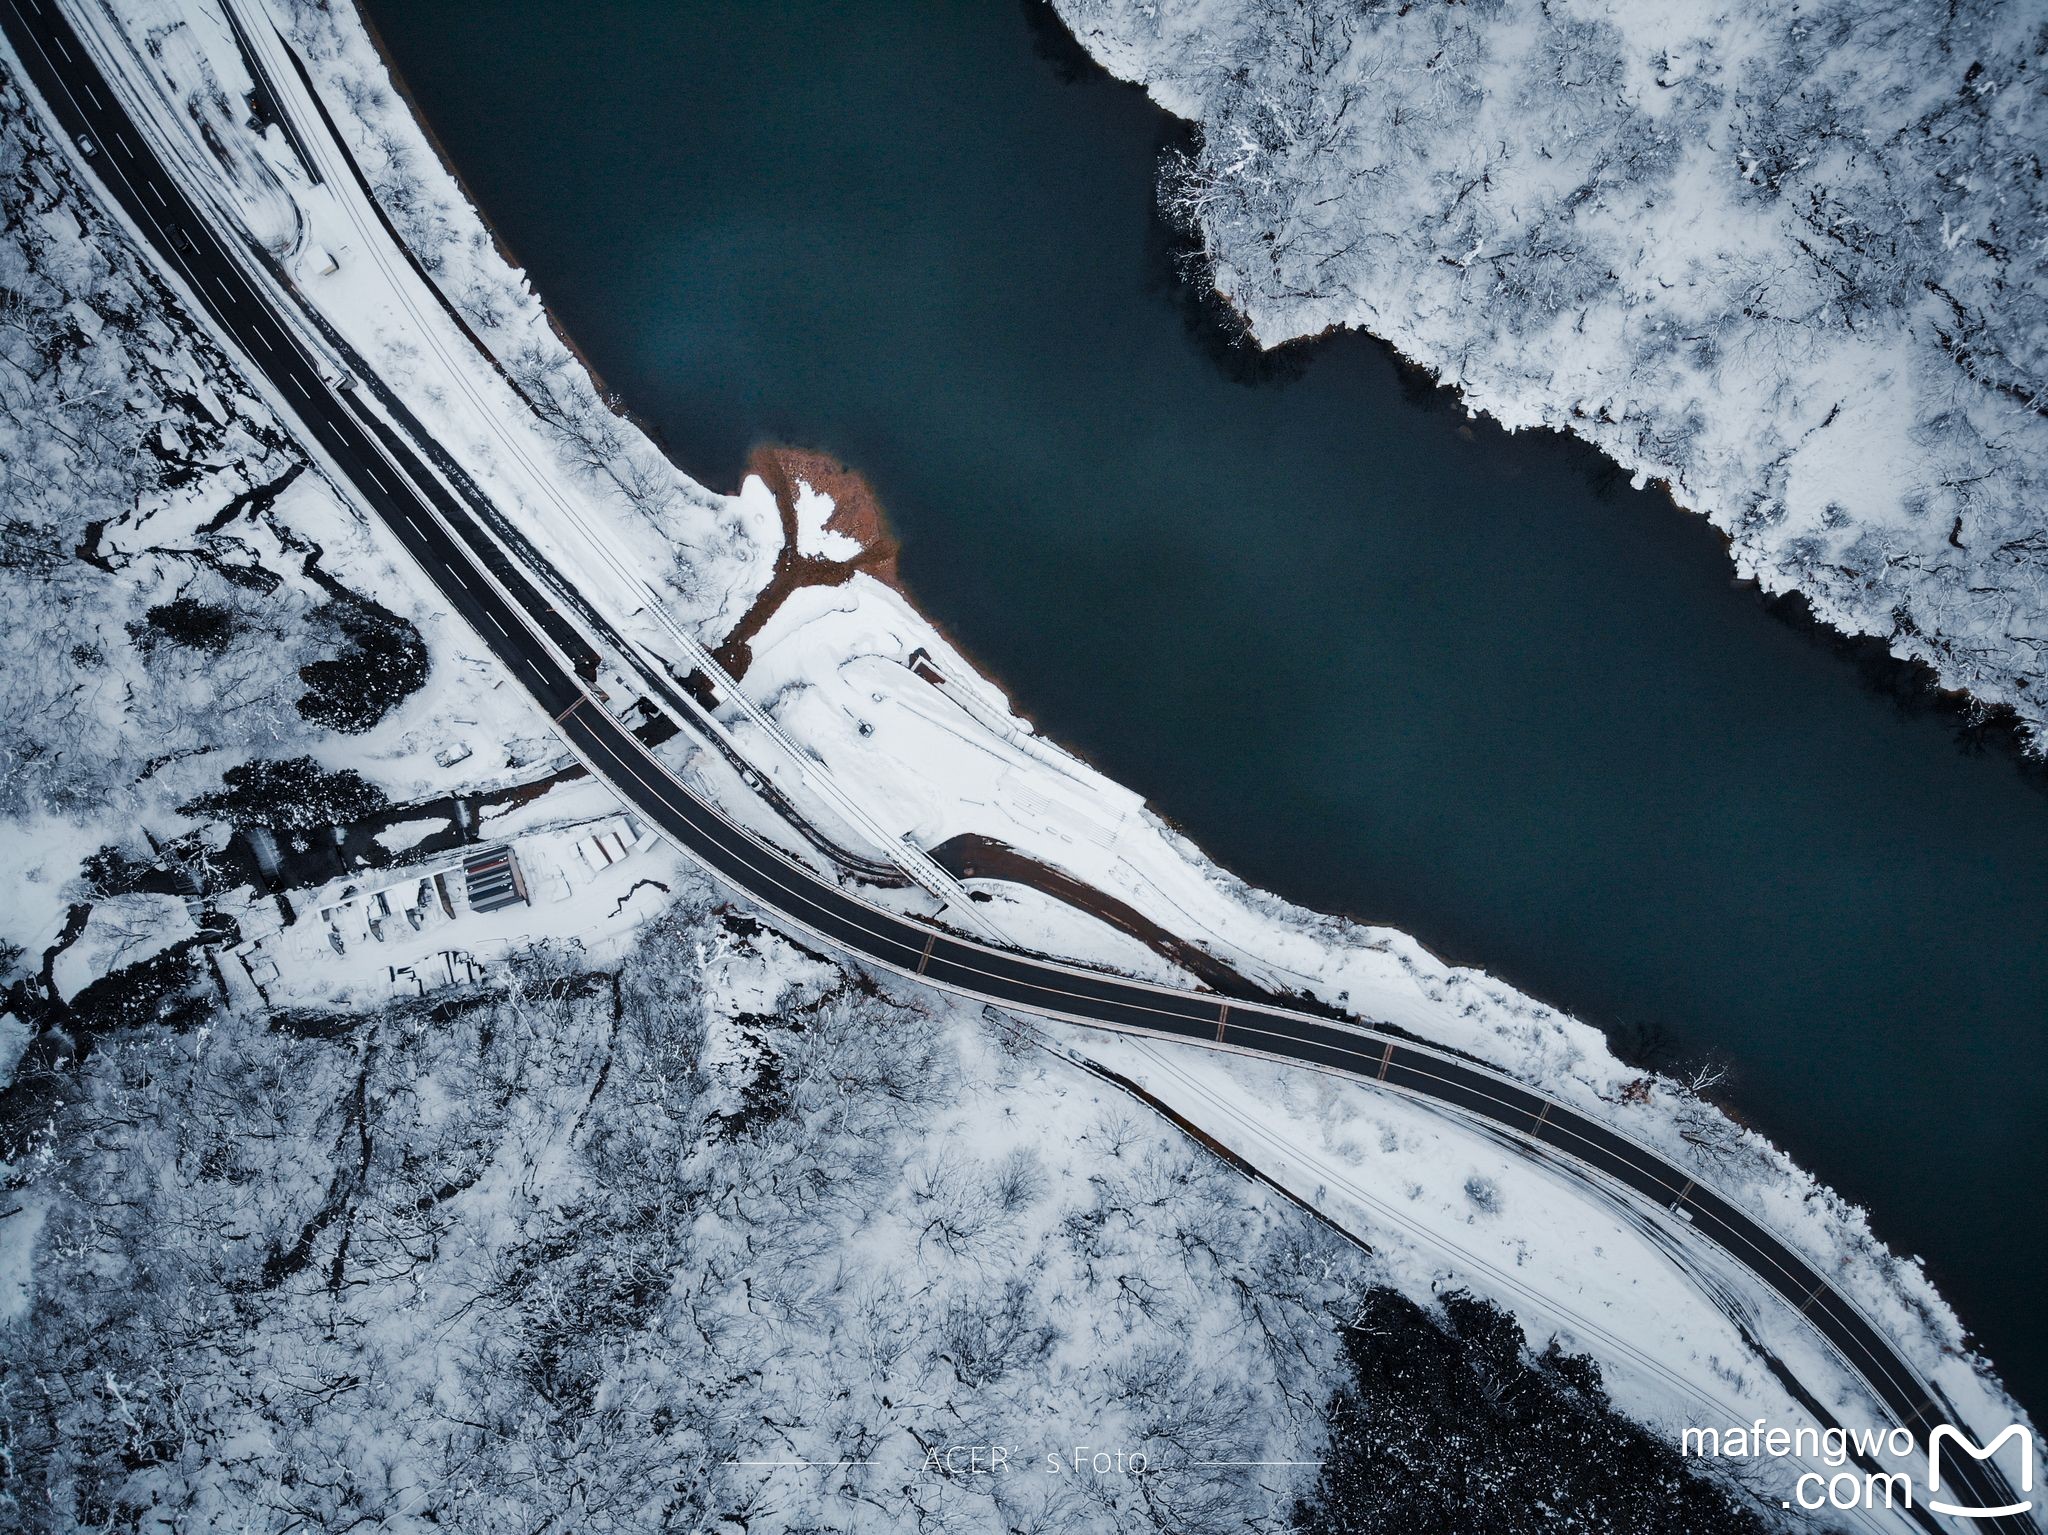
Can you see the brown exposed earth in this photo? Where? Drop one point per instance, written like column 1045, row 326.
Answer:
column 855, row 512
column 973, row 856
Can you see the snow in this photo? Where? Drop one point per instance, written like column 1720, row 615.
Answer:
column 813, row 509
column 1041, row 924
column 925, row 1235
column 122, row 930
column 402, row 836
column 39, row 856
column 20, row 1225
column 930, row 758
column 1779, row 257
column 581, row 483
column 937, row 759
column 14, row 1038
column 1606, row 1278
column 111, row 728
column 593, row 877
column 835, row 661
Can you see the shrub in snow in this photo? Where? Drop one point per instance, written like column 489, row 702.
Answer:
column 289, row 794
column 1484, row 1194
column 159, row 991
column 207, row 626
column 1452, row 1426
column 382, row 661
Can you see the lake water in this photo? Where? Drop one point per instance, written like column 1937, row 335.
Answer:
column 1373, row 656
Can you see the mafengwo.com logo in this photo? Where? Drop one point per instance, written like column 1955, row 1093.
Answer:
column 1948, row 1434
column 1945, row 1488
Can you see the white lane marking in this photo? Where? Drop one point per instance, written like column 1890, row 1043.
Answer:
column 153, row 192
column 534, row 667
column 496, row 625
column 457, row 574
column 62, row 49
column 221, row 283
column 257, row 332
column 86, row 86
column 415, row 524
column 298, row 386
column 125, row 149
column 380, row 483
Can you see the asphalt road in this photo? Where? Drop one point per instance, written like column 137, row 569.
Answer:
column 511, row 615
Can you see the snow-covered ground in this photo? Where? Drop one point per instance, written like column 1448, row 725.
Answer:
column 1680, row 1329
column 1783, row 257
column 145, row 480
column 590, row 876
column 946, row 757
column 715, row 1237
column 936, row 754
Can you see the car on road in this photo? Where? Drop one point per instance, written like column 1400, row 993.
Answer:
column 86, row 146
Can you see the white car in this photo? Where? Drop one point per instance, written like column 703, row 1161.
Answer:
column 86, row 146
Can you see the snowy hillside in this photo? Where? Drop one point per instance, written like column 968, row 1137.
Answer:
column 1785, row 258
column 633, row 1210
column 721, row 1237
column 342, row 1195
column 184, row 594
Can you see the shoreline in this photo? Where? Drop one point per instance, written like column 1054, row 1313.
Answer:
column 503, row 246
column 1911, row 682
column 1428, row 384
column 614, row 403
column 856, row 514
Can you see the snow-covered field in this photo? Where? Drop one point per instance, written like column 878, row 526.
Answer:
column 1680, row 1329
column 1785, row 258
column 592, row 878
column 925, row 755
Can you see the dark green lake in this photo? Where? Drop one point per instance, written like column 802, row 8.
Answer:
column 1375, row 657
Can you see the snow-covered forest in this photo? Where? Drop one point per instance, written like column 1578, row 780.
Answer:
column 596, row 1249
column 174, row 613
column 721, row 1237
column 691, row 1227
column 1785, row 258
column 588, row 1243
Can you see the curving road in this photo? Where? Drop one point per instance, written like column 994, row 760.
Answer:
column 543, row 653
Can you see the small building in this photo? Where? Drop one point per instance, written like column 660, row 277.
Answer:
column 492, row 879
